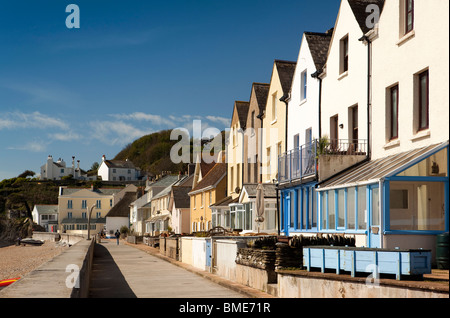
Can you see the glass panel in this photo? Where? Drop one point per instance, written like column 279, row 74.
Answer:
column 305, row 209
column 398, row 199
column 299, row 208
column 362, row 208
column 248, row 216
column 341, row 208
column 351, row 208
column 375, row 207
column 313, row 207
column 423, row 101
column 291, row 202
column 422, row 209
column 323, row 207
column 331, row 211
column 433, row 166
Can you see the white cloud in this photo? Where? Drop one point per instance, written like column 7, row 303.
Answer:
column 221, row 120
column 140, row 116
column 116, row 132
column 68, row 136
column 35, row 120
column 32, row 146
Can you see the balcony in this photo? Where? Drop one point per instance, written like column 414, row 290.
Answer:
column 320, row 158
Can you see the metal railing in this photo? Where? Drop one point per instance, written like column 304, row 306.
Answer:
column 303, row 161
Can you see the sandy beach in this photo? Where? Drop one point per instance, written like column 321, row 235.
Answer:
column 17, row 261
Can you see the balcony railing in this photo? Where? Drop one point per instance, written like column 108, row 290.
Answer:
column 302, row 162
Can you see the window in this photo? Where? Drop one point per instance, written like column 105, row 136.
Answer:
column 238, row 174
column 110, row 202
column 274, row 107
column 341, row 208
column 232, row 179
column 98, row 204
column 114, row 170
column 344, row 55
column 83, row 204
column 83, row 215
column 353, row 126
column 351, row 211
column 98, row 215
column 203, row 199
column 409, row 15
column 210, row 198
column 362, row 208
column 304, row 82
column 423, row 101
column 69, row 204
column 69, row 215
column 393, row 123
column 417, row 206
column 253, row 119
column 331, row 211
column 268, row 162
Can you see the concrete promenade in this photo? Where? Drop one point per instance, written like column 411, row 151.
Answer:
column 124, row 271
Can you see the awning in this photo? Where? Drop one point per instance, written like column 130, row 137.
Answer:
column 373, row 171
column 158, row 218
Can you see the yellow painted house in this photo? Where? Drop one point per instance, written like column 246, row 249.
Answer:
column 274, row 119
column 74, row 205
column 210, row 189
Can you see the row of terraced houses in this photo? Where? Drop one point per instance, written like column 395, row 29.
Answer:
column 350, row 139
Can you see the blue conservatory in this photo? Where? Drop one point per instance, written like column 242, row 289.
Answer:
column 401, row 201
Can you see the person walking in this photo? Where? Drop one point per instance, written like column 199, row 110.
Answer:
column 117, row 236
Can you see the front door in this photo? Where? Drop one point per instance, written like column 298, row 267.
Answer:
column 374, row 217
column 208, row 252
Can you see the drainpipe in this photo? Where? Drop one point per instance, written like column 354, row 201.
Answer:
column 285, row 99
column 369, row 78
column 260, row 139
column 366, row 39
column 316, row 75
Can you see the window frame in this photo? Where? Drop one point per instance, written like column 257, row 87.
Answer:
column 393, row 135
column 409, row 28
column 427, row 106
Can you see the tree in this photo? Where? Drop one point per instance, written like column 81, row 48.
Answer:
column 95, row 166
column 26, row 173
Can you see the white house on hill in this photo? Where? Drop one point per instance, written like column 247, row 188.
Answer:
column 118, row 170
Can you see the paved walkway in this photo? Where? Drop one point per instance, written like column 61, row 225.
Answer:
column 123, row 271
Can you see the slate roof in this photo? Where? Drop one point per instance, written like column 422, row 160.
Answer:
column 318, row 44
column 122, row 208
column 212, row 177
column 102, row 191
column 261, row 93
column 225, row 202
column 359, row 10
column 286, row 71
column 120, row 164
column 46, row 209
column 242, row 111
column 181, row 197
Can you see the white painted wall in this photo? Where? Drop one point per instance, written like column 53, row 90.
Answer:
column 303, row 113
column 396, row 61
column 341, row 91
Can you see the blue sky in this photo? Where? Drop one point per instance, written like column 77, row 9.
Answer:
column 133, row 68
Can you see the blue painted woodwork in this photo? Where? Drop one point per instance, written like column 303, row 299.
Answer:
column 366, row 260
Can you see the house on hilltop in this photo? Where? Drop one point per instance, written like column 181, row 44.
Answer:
column 118, row 170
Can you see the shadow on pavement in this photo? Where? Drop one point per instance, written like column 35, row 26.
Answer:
column 107, row 280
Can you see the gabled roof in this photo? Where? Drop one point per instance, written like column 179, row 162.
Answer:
column 122, row 208
column 212, row 177
column 286, row 70
column 318, row 44
column 119, row 164
column 261, row 94
column 181, row 197
column 359, row 10
column 242, row 112
column 100, row 191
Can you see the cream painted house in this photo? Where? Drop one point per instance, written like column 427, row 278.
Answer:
column 252, row 139
column 74, row 205
column 235, row 148
column 274, row 119
column 399, row 196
